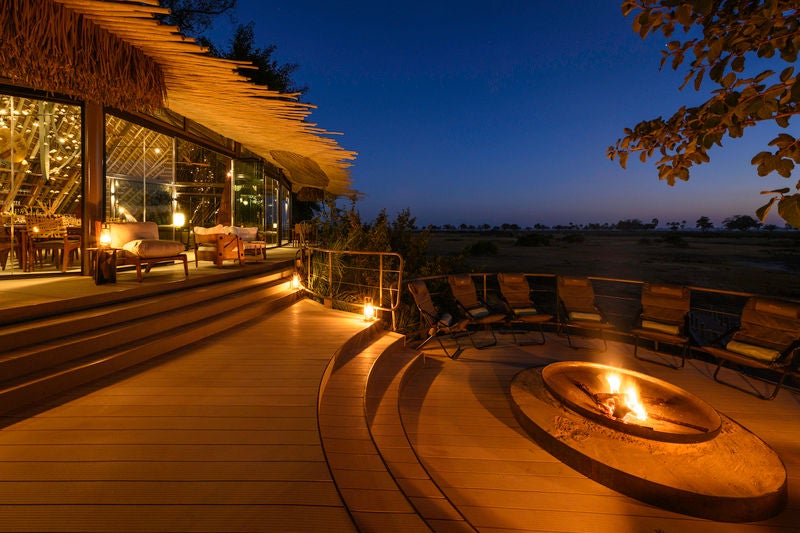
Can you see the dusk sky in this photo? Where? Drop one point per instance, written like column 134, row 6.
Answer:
column 498, row 112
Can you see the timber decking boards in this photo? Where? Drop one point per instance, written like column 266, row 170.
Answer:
column 221, row 436
column 462, row 429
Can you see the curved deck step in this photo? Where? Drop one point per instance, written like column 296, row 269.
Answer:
column 371, row 460
column 369, row 491
column 386, row 426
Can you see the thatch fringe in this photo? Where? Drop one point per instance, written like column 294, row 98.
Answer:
column 49, row 47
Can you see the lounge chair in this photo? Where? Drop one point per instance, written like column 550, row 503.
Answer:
column 477, row 311
column 577, row 308
column 768, row 337
column 217, row 244
column 665, row 309
column 438, row 324
column 138, row 243
column 516, row 293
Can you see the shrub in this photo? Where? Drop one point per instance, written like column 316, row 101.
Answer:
column 482, row 248
column 533, row 239
column 573, row 238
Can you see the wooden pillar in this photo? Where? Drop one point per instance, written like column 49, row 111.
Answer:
column 93, row 175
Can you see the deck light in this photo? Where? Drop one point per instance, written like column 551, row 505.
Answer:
column 178, row 220
column 369, row 309
column 296, row 281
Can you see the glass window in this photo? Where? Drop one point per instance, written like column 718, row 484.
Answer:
column 40, row 157
column 139, row 173
column 248, row 193
column 41, row 170
column 203, row 184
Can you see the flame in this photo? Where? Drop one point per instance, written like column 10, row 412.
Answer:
column 630, row 398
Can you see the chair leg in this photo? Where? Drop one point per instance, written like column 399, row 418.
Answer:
column 754, row 392
column 684, row 352
column 569, row 340
column 530, row 343
column 435, row 335
column 487, row 345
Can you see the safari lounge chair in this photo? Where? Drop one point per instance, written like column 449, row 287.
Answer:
column 577, row 308
column 665, row 309
column 477, row 312
column 516, row 293
column 768, row 337
column 439, row 324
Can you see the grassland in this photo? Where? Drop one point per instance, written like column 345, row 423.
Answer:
column 759, row 262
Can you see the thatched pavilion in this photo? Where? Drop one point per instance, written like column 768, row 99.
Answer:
column 105, row 113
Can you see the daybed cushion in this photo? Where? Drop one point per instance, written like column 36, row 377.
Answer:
column 670, row 329
column 589, row 317
column 219, row 228
column 153, row 248
column 122, row 233
column 759, row 353
column 478, row 312
column 246, row 234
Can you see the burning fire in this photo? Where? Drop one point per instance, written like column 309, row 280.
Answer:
column 623, row 404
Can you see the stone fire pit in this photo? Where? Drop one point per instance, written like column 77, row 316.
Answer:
column 684, row 456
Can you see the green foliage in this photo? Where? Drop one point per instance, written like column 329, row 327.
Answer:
column 720, row 38
column 194, row 17
column 741, row 223
column 482, row 248
column 267, row 71
column 704, row 224
column 533, row 239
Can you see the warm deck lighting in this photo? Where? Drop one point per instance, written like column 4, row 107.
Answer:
column 369, row 309
column 296, row 282
column 178, row 220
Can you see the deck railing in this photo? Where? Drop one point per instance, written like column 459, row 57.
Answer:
column 345, row 279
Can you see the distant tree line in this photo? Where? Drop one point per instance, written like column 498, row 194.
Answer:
column 704, row 223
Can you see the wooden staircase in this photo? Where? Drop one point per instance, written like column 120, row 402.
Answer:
column 46, row 355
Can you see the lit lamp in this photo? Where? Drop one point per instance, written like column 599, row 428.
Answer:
column 369, row 309
column 105, row 236
column 178, row 220
column 296, row 281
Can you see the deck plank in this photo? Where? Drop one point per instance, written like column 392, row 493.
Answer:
column 221, row 436
column 458, row 417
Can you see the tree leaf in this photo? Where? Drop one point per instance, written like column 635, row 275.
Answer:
column 789, row 209
column 763, row 211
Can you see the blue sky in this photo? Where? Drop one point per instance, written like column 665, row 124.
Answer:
column 498, row 112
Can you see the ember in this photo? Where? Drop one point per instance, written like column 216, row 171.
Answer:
column 632, row 402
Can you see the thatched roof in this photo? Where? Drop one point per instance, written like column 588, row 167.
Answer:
column 116, row 53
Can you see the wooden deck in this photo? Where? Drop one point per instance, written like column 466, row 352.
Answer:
column 225, row 436
column 458, row 417
column 221, row 437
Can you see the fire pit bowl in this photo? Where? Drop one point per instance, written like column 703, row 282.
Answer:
column 673, row 415
column 685, row 457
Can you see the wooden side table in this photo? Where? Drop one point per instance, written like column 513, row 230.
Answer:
column 104, row 264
